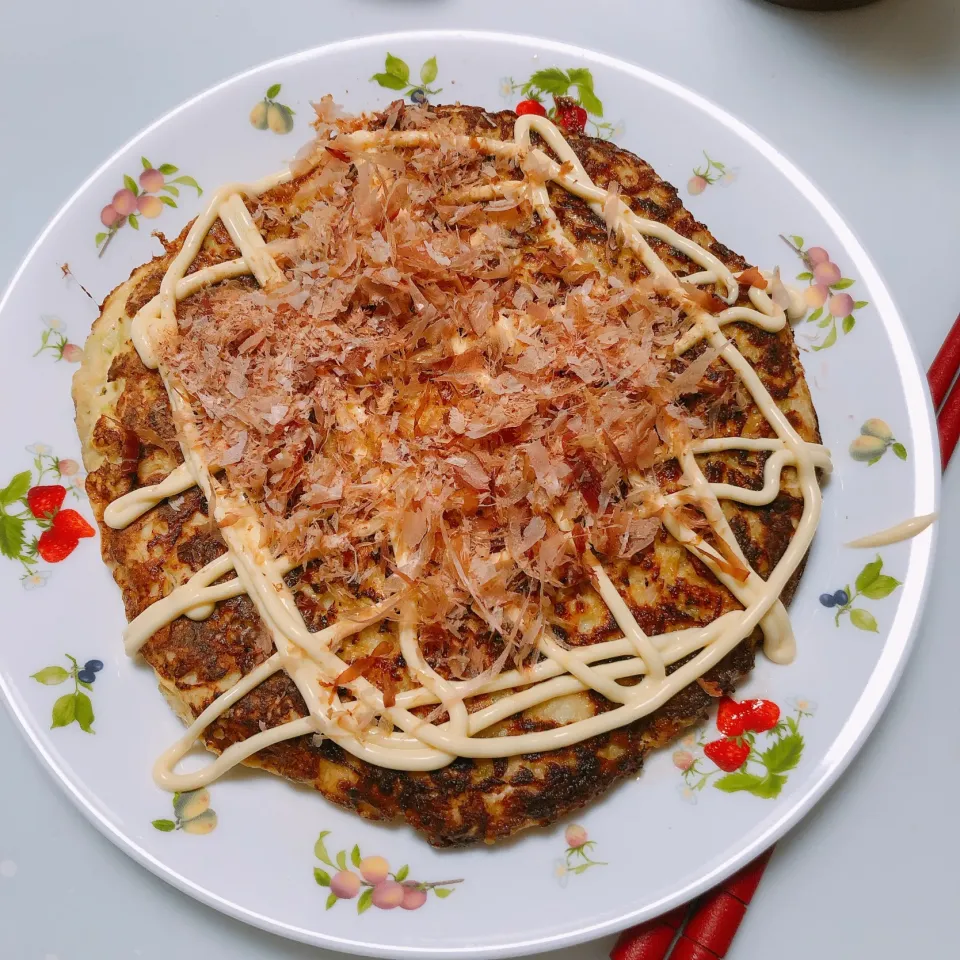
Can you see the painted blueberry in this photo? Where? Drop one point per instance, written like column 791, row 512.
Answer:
column 828, row 599
column 94, row 666
column 418, row 95
column 87, row 676
column 840, row 598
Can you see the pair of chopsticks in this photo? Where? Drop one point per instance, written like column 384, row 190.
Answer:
column 946, row 401
column 708, row 926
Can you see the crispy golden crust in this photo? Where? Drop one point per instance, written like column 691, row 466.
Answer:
column 125, row 424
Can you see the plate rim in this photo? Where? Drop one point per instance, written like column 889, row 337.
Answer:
column 882, row 680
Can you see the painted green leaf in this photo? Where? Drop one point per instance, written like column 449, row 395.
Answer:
column 171, row 189
column 769, row 787
column 863, row 620
column 868, row 574
column 784, row 755
column 848, row 323
column 900, row 450
column 99, row 238
column 321, row 876
column 273, row 90
column 797, row 241
column 320, row 851
column 402, row 873
column 355, row 855
column 397, row 68
column 581, row 76
column 830, row 340
column 551, row 80
column 842, row 284
column 11, row 536
column 331, row 900
column 134, row 222
column 806, row 275
column 146, row 163
column 428, row 72
column 860, row 304
column 167, row 168
column 84, row 684
column 816, row 315
column 189, row 182
column 84, row 712
column 882, row 587
column 342, row 860
column 131, row 185
column 366, row 898
column 386, row 80
column 590, row 101
column 166, row 200
column 442, row 892
column 51, row 676
column 825, row 322
column 165, row 826
column 734, row 782
column 64, row 711
column 15, row 489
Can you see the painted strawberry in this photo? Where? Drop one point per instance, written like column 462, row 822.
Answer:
column 45, row 501
column 54, row 547
column 756, row 716
column 570, row 115
column 68, row 524
column 728, row 755
column 531, row 106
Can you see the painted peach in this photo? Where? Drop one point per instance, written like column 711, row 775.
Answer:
column 151, row 180
column 149, row 205
column 374, row 869
column 345, row 885
column 388, row 895
column 124, row 202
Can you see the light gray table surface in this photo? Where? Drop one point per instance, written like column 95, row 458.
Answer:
column 866, row 102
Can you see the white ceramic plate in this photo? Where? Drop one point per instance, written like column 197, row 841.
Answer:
column 649, row 844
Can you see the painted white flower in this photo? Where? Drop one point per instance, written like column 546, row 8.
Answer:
column 619, row 128
column 39, row 449
column 53, row 323
column 561, row 871
column 729, row 177
column 803, row 704
column 506, row 87
column 687, row 793
column 36, row 579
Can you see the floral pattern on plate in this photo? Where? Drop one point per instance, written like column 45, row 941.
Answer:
column 825, row 294
column 747, row 762
column 144, row 197
column 54, row 341
column 871, row 584
column 709, row 173
column 192, row 813
column 371, row 882
column 876, row 437
column 575, row 105
column 74, row 707
column 577, row 857
column 396, row 76
column 34, row 526
column 269, row 113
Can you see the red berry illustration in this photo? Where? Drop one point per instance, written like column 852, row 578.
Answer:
column 531, row 106
column 570, row 115
column 45, row 501
column 728, row 755
column 69, row 524
column 730, row 717
column 759, row 715
column 54, row 547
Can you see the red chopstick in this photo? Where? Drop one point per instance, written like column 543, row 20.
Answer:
column 716, row 917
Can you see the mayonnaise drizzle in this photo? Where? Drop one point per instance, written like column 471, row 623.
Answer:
column 895, row 534
column 309, row 658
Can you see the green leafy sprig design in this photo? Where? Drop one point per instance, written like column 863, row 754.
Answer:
column 353, row 882
column 871, row 584
column 579, row 860
column 711, row 171
column 576, row 83
column 764, row 771
column 396, row 76
column 73, row 707
column 192, row 813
